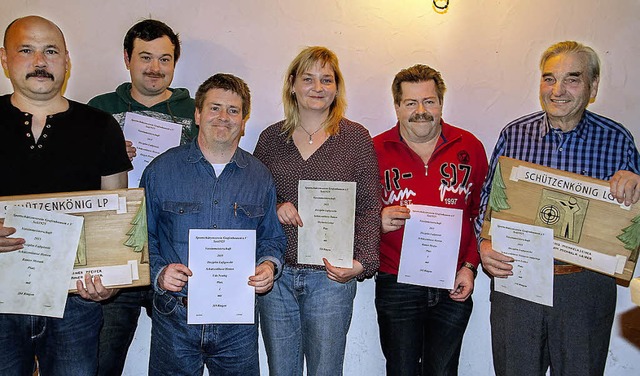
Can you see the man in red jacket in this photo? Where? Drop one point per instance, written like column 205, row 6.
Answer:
column 425, row 161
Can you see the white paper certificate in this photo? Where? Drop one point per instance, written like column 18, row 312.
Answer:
column 430, row 246
column 328, row 212
column 222, row 262
column 532, row 249
column 35, row 279
column 151, row 137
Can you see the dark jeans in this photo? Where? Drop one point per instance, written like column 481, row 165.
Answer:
column 66, row 346
column 421, row 328
column 120, row 322
column 181, row 349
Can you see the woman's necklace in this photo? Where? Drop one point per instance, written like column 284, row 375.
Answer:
column 310, row 134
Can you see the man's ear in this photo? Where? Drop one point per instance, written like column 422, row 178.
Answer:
column 594, row 89
column 127, row 60
column 3, row 57
column 196, row 117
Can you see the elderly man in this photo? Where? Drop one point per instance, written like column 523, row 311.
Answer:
column 208, row 184
column 51, row 144
column 425, row 161
column 151, row 51
column 572, row 337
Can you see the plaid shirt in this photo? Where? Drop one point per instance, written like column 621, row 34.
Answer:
column 597, row 147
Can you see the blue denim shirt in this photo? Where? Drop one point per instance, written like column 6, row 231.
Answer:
column 183, row 192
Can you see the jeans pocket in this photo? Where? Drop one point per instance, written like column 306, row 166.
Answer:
column 79, row 300
column 165, row 304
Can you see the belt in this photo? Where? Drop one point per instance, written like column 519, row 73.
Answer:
column 562, row 269
column 183, row 300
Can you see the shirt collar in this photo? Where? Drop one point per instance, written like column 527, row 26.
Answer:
column 195, row 155
column 581, row 130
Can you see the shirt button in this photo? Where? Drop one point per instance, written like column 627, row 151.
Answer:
column 28, row 134
column 44, row 135
column 181, row 211
column 32, row 147
column 39, row 146
column 561, row 149
column 48, row 125
column 215, row 202
column 26, row 122
column 215, row 226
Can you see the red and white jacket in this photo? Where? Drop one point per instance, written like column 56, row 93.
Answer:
column 452, row 179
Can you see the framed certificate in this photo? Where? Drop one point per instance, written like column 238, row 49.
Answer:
column 113, row 242
column 590, row 228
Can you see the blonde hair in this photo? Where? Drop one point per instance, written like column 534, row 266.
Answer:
column 305, row 60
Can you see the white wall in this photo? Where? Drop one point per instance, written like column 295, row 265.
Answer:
column 487, row 51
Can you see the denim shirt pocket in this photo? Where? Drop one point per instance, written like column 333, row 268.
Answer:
column 180, row 217
column 181, row 208
column 251, row 211
column 248, row 216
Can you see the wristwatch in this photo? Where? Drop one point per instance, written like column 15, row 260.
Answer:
column 469, row 265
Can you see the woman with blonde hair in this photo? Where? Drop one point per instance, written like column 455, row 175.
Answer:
column 308, row 313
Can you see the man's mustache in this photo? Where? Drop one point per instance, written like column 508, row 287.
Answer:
column 41, row 73
column 155, row 74
column 421, row 117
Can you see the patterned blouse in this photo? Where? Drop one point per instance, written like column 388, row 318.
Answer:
column 345, row 156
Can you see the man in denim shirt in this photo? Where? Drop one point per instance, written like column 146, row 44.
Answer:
column 208, row 184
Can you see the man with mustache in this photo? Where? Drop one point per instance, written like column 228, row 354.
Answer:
column 40, row 73
column 572, row 337
column 151, row 51
column 52, row 144
column 425, row 161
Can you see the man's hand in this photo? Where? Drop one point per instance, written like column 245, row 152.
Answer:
column 393, row 218
column 93, row 289
column 9, row 244
column 463, row 285
column 131, row 151
column 625, row 187
column 343, row 275
column 263, row 279
column 495, row 263
column 173, row 277
column 288, row 214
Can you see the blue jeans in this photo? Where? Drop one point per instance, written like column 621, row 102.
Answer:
column 120, row 323
column 306, row 315
column 421, row 328
column 64, row 347
column 181, row 349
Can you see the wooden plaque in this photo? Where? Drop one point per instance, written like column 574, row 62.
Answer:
column 114, row 235
column 588, row 224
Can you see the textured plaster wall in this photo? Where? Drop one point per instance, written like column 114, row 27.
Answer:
column 487, row 51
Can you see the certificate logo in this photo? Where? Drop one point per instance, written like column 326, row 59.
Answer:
column 562, row 212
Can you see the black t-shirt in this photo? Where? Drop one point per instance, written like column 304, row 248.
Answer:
column 77, row 147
